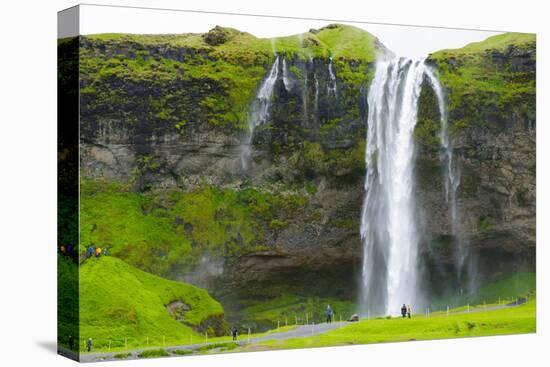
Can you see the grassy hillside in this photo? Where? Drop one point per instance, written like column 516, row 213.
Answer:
column 119, row 302
column 292, row 309
column 67, row 300
column 507, row 289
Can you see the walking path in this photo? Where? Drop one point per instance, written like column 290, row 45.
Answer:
column 297, row 332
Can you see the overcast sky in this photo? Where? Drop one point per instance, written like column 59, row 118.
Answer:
column 402, row 40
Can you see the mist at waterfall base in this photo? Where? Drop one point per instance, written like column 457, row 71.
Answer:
column 390, row 228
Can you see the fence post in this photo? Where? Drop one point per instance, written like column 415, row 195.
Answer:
column 307, row 321
column 206, row 337
column 286, row 321
column 296, row 319
column 278, row 324
column 468, row 308
column 312, row 328
column 447, row 310
column 248, row 335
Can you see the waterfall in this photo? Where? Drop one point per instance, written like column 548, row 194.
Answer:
column 259, row 111
column 388, row 219
column 331, row 86
column 286, row 77
column 451, row 180
column 304, row 93
column 316, row 99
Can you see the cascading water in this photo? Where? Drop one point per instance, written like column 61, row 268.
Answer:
column 451, row 179
column 286, row 77
column 388, row 219
column 259, row 111
column 389, row 228
column 304, row 93
column 316, row 99
column 332, row 88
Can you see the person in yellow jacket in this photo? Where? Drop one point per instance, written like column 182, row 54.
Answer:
column 98, row 252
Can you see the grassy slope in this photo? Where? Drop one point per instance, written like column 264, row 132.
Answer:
column 118, row 301
column 67, row 300
column 288, row 308
column 515, row 320
column 507, row 289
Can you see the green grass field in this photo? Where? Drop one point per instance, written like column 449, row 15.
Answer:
column 291, row 309
column 122, row 306
column 514, row 320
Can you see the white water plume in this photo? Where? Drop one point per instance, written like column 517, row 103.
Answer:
column 389, row 228
column 259, row 111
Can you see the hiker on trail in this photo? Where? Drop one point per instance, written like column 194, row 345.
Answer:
column 69, row 249
column 98, row 252
column 404, row 311
column 234, row 332
column 62, row 249
column 105, row 251
column 409, row 311
column 328, row 312
column 89, row 344
column 90, row 251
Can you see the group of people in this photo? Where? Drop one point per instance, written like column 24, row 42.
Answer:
column 91, row 251
column 406, row 311
column 66, row 250
column 96, row 251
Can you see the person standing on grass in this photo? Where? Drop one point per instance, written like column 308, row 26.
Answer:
column 89, row 344
column 404, row 311
column 90, row 251
column 234, row 333
column 409, row 311
column 328, row 313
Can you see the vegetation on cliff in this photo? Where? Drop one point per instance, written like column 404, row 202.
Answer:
column 177, row 80
column 174, row 230
column 488, row 83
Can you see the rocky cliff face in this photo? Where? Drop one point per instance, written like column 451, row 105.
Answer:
column 490, row 90
column 170, row 115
